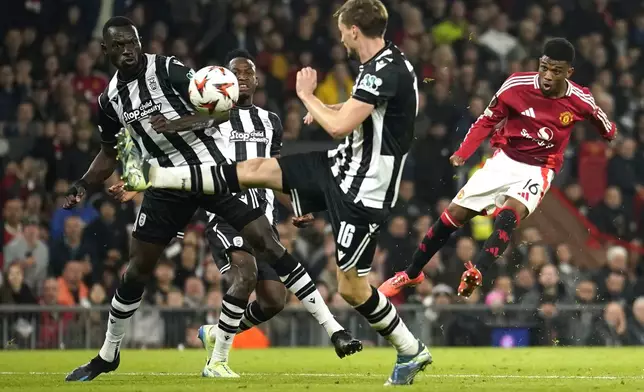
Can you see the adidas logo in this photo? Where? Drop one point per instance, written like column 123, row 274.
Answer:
column 529, row 113
column 312, row 300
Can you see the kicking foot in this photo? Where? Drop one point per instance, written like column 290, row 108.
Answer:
column 394, row 285
column 206, row 339
column 93, row 369
column 136, row 170
column 470, row 280
column 407, row 366
column 218, row 370
column 345, row 344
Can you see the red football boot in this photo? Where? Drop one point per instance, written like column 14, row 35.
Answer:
column 394, row 285
column 470, row 280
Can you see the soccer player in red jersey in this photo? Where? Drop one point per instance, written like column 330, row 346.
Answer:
column 529, row 119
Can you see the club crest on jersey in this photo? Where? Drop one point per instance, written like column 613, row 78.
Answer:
column 565, row 118
column 144, row 110
column 153, row 84
column 370, row 84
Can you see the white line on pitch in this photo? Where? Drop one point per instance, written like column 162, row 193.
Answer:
column 498, row 376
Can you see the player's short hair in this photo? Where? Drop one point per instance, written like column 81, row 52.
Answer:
column 238, row 53
column 559, row 49
column 370, row 16
column 117, row 21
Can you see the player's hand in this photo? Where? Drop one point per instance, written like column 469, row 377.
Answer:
column 75, row 194
column 159, row 123
column 303, row 221
column 306, row 82
column 308, row 119
column 612, row 137
column 455, row 160
column 118, row 192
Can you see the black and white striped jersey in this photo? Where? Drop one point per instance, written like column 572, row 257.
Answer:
column 160, row 88
column 368, row 165
column 252, row 132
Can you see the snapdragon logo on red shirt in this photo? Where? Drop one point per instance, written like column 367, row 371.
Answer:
column 544, row 134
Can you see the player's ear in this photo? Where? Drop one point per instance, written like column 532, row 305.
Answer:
column 104, row 47
column 571, row 69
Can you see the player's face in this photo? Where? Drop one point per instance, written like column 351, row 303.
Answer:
column 348, row 36
column 553, row 75
column 123, row 47
column 244, row 70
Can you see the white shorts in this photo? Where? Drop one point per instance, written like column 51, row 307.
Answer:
column 503, row 177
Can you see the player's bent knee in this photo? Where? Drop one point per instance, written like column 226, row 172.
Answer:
column 460, row 213
column 264, row 242
column 243, row 270
column 517, row 206
column 260, row 173
column 353, row 289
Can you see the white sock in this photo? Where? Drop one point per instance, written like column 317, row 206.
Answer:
column 382, row 316
column 232, row 310
column 299, row 283
column 177, row 178
column 120, row 313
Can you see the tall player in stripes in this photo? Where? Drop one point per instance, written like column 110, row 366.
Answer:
column 529, row 120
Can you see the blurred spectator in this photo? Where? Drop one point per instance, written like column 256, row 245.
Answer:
column 71, row 247
column 611, row 329
column 15, row 290
column 636, row 323
column 71, row 289
column 29, row 253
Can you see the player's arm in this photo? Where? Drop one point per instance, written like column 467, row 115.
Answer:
column 495, row 112
column 599, row 119
column 371, row 90
column 105, row 161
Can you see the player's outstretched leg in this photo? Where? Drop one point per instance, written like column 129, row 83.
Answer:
column 413, row 355
column 125, row 302
column 506, row 222
column 450, row 221
column 219, row 339
column 260, row 235
column 138, row 175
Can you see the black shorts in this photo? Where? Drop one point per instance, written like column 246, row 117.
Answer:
column 164, row 213
column 308, row 179
column 223, row 239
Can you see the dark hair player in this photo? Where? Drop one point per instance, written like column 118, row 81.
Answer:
column 529, row 119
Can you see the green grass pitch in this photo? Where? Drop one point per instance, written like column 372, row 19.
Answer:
column 454, row 369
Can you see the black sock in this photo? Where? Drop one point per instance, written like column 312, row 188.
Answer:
column 252, row 316
column 125, row 303
column 506, row 221
column 127, row 298
column 285, row 265
column 224, row 179
column 436, row 237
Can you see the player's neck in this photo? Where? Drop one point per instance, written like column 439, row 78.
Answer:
column 245, row 103
column 369, row 48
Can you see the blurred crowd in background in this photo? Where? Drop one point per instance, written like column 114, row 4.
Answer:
column 52, row 71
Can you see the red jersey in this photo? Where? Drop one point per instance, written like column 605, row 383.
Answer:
column 530, row 127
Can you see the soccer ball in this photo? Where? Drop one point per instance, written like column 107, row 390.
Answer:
column 213, row 90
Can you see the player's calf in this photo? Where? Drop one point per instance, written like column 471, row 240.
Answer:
column 243, row 272
column 507, row 220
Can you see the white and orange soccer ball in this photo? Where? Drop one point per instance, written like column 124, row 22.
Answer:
column 213, row 90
